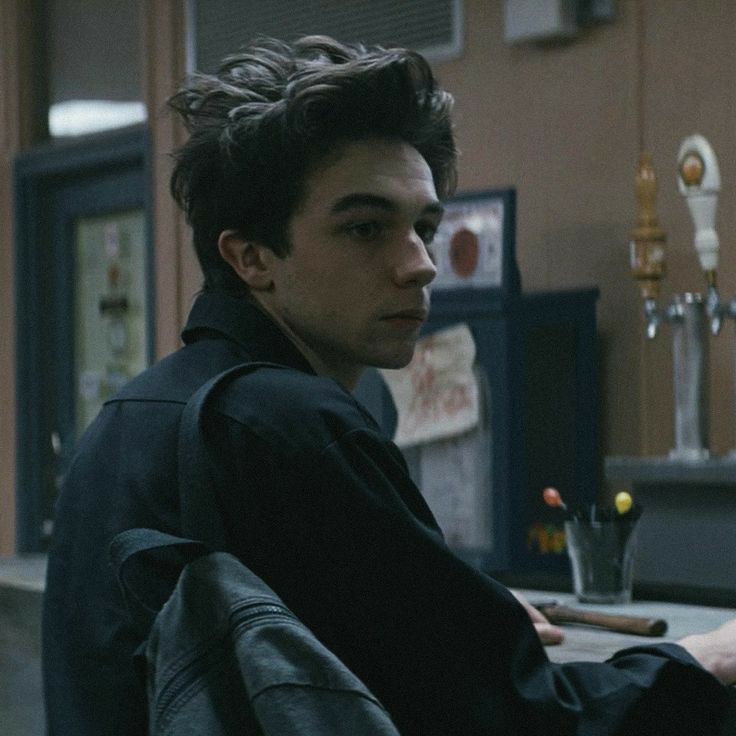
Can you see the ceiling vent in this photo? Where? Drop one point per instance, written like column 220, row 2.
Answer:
column 220, row 27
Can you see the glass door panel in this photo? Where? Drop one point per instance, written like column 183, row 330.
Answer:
column 110, row 310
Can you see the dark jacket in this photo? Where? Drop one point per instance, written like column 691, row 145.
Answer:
column 318, row 503
column 225, row 657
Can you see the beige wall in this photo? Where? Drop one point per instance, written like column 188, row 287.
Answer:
column 164, row 66
column 19, row 99
column 8, row 147
column 561, row 123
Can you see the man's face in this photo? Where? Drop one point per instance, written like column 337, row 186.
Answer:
column 353, row 290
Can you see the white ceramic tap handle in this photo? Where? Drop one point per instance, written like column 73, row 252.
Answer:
column 699, row 181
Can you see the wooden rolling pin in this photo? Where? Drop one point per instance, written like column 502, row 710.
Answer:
column 639, row 625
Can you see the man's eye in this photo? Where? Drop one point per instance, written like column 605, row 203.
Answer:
column 426, row 231
column 365, row 230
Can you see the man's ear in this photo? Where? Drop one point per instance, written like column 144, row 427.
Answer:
column 251, row 261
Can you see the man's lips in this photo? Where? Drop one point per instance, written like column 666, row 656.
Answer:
column 408, row 315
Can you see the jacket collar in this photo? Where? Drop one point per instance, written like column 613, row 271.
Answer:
column 218, row 313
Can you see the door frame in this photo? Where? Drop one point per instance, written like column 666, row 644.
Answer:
column 40, row 178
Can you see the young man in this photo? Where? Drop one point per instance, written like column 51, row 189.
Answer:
column 313, row 181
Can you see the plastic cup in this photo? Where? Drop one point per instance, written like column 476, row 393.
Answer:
column 602, row 558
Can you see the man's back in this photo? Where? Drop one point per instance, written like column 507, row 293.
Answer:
column 123, row 476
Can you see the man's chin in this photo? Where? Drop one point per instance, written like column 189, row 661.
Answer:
column 395, row 362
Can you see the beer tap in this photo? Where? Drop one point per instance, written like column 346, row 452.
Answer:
column 699, row 181
column 647, row 245
column 687, row 314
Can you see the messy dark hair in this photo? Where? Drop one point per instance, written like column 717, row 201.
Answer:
column 273, row 111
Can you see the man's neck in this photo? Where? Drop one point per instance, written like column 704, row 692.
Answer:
column 346, row 375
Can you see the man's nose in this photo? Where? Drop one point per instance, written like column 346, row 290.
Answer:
column 415, row 265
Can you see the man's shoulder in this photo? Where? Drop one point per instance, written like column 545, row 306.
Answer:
column 177, row 376
column 279, row 402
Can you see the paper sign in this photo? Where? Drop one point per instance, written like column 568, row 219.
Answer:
column 436, row 395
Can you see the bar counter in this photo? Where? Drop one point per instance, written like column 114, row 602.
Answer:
column 589, row 643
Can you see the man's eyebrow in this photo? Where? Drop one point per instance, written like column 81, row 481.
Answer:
column 350, row 201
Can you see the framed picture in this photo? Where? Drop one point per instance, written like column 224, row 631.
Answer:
column 475, row 243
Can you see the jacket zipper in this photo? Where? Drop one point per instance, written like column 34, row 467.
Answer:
column 241, row 616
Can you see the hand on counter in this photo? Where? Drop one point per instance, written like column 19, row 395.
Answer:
column 715, row 650
column 548, row 633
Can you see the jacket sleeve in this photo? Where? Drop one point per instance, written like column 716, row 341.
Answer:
column 344, row 537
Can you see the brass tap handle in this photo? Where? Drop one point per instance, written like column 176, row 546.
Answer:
column 647, row 238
